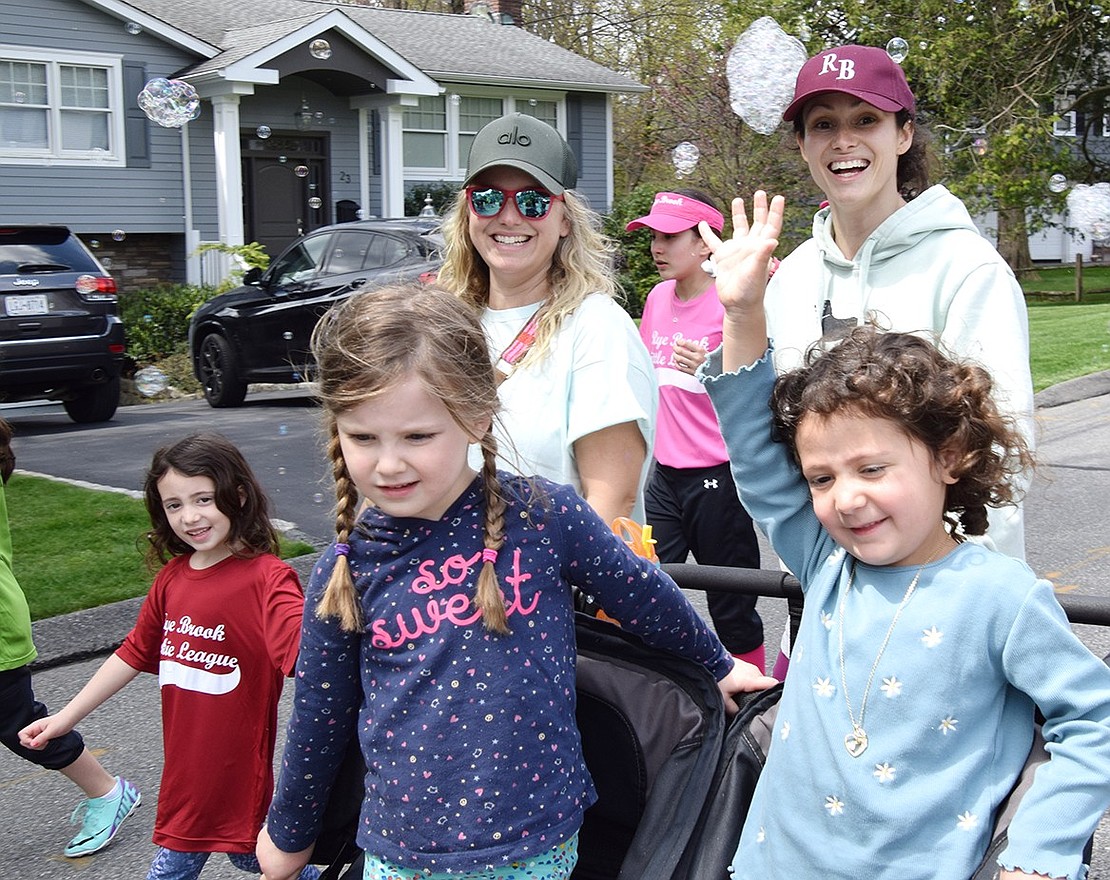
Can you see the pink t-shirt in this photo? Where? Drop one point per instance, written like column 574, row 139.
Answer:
column 687, row 434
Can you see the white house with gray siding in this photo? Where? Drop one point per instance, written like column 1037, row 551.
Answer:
column 388, row 106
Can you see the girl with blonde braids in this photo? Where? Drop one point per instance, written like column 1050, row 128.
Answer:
column 439, row 627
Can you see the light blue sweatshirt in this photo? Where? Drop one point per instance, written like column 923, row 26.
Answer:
column 950, row 713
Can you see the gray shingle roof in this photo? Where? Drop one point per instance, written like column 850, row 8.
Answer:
column 446, row 47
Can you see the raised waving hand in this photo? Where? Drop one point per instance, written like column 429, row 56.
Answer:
column 741, row 264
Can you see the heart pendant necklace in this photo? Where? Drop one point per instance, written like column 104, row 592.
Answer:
column 856, row 741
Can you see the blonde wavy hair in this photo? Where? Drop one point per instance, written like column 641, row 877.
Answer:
column 582, row 264
column 368, row 345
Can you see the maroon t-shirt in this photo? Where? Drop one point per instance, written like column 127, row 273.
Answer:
column 221, row 640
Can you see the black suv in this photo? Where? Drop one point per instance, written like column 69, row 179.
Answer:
column 61, row 337
column 260, row 332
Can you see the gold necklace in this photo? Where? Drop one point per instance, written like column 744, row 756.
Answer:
column 856, row 741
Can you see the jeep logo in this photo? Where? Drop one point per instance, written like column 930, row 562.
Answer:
column 26, row 282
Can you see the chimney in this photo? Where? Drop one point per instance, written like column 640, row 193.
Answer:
column 498, row 11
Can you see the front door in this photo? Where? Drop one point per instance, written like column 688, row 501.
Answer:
column 284, row 188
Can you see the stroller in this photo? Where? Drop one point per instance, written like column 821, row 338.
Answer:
column 674, row 776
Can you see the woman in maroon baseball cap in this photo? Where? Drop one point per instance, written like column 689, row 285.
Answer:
column 888, row 247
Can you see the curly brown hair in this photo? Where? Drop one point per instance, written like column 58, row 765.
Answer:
column 369, row 344
column 942, row 402
column 239, row 496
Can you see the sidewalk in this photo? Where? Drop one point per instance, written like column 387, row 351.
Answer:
column 97, row 632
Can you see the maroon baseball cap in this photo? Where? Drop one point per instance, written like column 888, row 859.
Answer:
column 865, row 72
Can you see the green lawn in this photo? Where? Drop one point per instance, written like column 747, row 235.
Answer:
column 77, row 548
column 1067, row 339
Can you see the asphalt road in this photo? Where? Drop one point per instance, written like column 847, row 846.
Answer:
column 1066, row 527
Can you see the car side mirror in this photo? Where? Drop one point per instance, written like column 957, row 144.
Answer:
column 252, row 275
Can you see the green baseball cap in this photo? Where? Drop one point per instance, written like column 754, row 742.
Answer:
column 527, row 144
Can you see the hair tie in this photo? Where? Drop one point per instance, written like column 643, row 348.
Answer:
column 489, row 555
column 342, row 549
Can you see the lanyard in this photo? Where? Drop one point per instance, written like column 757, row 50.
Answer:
column 516, row 350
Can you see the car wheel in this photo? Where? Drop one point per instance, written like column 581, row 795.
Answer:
column 96, row 403
column 218, row 372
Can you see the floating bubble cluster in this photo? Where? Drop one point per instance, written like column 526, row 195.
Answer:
column 1089, row 209
column 685, row 158
column 150, row 381
column 1057, row 183
column 897, row 49
column 169, row 102
column 762, row 68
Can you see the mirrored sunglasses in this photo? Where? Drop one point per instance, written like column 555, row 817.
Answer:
column 532, row 203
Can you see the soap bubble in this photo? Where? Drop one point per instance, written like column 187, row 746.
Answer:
column 320, row 49
column 263, row 131
column 283, row 430
column 685, row 157
column 133, row 28
column 94, row 243
column 897, row 49
column 301, row 171
column 1057, row 183
column 318, row 497
column 980, row 145
column 118, row 235
column 169, row 102
column 1089, row 209
column 315, row 202
column 281, row 472
column 150, row 381
column 762, row 68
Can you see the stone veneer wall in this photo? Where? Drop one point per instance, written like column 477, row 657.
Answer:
column 142, row 260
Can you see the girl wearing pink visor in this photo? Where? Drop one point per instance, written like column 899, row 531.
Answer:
column 690, row 499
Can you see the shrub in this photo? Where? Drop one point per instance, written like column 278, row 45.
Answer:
column 442, row 195
column 246, row 256
column 157, row 319
column 636, row 272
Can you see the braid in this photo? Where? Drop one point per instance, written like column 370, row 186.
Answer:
column 339, row 598
column 488, row 596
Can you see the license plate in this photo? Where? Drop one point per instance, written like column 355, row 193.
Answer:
column 31, row 304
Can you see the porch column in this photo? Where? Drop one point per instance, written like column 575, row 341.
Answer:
column 393, row 162
column 229, row 168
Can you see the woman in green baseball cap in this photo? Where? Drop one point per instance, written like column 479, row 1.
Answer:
column 578, row 391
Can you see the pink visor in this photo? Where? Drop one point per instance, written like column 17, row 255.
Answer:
column 672, row 213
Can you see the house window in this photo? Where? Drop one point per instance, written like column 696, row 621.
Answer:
column 59, row 108
column 474, row 113
column 1065, row 125
column 547, row 111
column 438, row 131
column 425, row 134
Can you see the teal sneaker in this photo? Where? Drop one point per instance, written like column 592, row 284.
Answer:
column 103, row 817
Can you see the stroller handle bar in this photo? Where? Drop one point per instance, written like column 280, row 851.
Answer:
column 783, row 585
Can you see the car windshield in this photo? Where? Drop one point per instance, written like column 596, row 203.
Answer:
column 299, row 262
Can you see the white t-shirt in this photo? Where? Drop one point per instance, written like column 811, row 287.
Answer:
column 596, row 373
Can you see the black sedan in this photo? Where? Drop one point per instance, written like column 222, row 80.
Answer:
column 260, row 332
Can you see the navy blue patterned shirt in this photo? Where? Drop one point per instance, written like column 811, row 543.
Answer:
column 469, row 736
